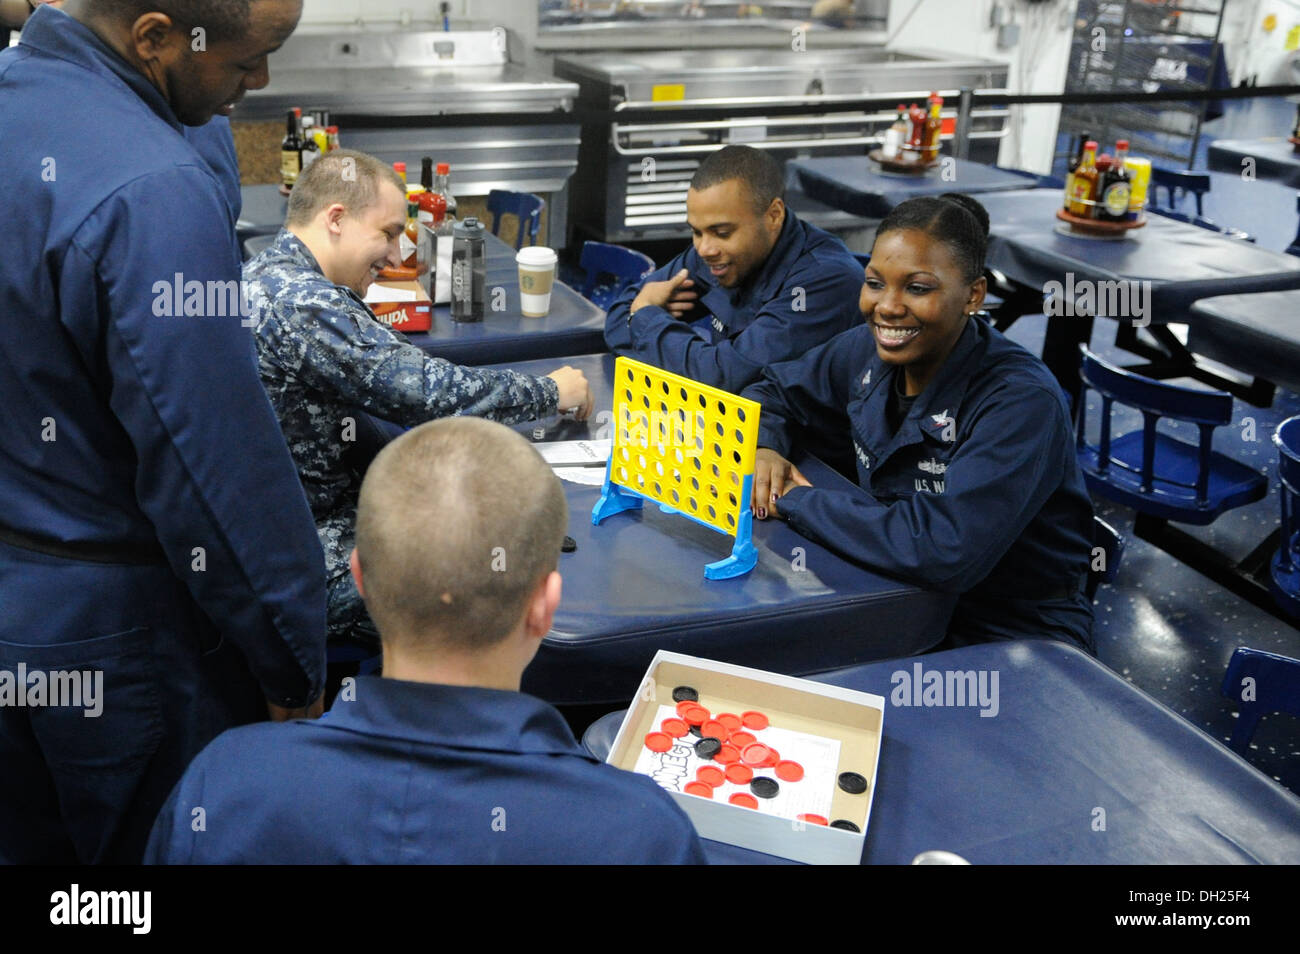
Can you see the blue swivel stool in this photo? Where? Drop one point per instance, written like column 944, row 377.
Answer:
column 525, row 206
column 609, row 270
column 1260, row 683
column 1284, row 569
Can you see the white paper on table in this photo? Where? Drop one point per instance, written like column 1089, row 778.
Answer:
column 378, row 293
column 812, row 794
column 575, row 453
column 591, row 476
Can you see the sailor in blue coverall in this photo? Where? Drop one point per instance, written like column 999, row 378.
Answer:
column 758, row 286
column 442, row 759
column 154, row 532
column 963, row 441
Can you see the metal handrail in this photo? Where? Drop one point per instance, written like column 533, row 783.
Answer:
column 805, row 98
column 787, row 144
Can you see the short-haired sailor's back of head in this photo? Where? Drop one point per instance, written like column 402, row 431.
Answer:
column 345, row 176
column 458, row 522
column 759, row 171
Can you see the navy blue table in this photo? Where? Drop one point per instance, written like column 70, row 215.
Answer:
column 1078, row 766
column 1258, row 334
column 574, row 325
column 636, row 585
column 1181, row 263
column 857, row 185
column 1275, row 158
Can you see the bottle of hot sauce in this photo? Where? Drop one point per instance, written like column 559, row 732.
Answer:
column 400, row 169
column 1115, row 187
column 933, row 129
column 410, row 242
column 1083, row 189
column 915, row 134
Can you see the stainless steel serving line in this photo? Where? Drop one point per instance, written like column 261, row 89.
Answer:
column 634, row 175
column 412, row 79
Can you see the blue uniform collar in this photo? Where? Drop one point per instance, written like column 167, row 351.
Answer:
column 454, row 716
column 934, row 412
column 54, row 33
column 768, row 280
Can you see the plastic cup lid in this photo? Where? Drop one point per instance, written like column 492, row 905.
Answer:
column 537, row 255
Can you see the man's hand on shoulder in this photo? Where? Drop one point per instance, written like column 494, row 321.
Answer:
column 676, row 295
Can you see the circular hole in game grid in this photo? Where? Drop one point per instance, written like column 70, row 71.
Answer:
column 731, row 499
column 722, row 409
column 659, row 467
column 681, row 458
column 735, row 455
column 731, row 520
column 740, row 437
column 717, row 450
column 640, row 460
column 695, row 484
column 659, row 491
column 622, row 474
column 690, row 501
column 713, row 491
column 735, row 478
column 704, row 402
column 681, row 392
column 695, row 462
column 675, row 495
column 647, row 380
column 713, row 514
column 717, row 471
column 700, row 422
column 630, row 375
column 640, row 480
column 664, row 386
column 740, row 413
column 645, row 399
column 627, row 393
column 623, row 451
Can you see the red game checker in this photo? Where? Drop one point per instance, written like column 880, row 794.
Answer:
column 700, row 789
column 788, row 771
column 727, row 754
column 695, row 714
column 739, row 774
column 710, row 775
column 814, row 819
column 773, row 756
column 730, row 720
column 754, row 720
column 744, row 800
column 675, row 727
column 755, row 754
column 715, row 729
column 742, row 739
column 658, row 742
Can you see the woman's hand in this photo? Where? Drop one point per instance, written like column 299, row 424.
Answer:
column 773, row 476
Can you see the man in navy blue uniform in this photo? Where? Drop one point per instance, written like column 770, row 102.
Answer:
column 757, row 286
column 442, row 759
column 154, row 534
column 963, row 441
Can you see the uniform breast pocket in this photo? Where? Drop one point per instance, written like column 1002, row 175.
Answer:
column 921, row 470
column 94, row 705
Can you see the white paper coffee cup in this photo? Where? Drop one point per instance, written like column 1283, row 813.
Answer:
column 536, row 279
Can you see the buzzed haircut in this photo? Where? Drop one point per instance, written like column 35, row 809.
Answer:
column 343, row 175
column 458, row 522
column 759, row 171
column 221, row 19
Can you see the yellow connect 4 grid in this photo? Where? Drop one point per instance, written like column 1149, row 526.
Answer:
column 689, row 447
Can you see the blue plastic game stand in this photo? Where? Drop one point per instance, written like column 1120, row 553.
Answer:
column 744, row 556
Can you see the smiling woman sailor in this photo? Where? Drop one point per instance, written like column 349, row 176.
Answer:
column 965, row 456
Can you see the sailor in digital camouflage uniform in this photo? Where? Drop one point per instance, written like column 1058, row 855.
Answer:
column 324, row 358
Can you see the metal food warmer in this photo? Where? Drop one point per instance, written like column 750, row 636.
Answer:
column 403, row 95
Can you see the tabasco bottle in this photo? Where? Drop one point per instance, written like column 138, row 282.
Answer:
column 1083, row 188
column 915, row 133
column 933, row 129
column 290, row 151
column 410, row 241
